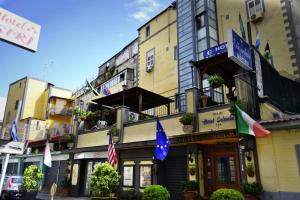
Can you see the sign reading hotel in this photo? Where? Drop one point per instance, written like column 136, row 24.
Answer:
column 19, row 31
column 216, row 121
column 239, row 50
column 216, row 50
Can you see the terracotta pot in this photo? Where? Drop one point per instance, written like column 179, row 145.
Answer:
column 187, row 128
column 252, row 197
column 65, row 192
column 204, row 99
column 190, row 195
column 115, row 139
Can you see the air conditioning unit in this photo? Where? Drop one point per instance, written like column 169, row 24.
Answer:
column 133, row 117
column 28, row 150
column 258, row 16
column 149, row 68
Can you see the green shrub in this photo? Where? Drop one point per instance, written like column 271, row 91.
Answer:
column 215, row 80
column 189, row 186
column 32, row 176
column 227, row 194
column 187, row 119
column 104, row 180
column 253, row 188
column 155, row 192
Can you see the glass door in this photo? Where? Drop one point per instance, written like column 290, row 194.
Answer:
column 87, row 186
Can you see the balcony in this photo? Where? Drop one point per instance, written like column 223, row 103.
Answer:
column 65, row 111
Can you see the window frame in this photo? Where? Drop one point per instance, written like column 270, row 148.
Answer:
column 151, row 170
column 147, row 31
column 149, row 54
column 133, row 176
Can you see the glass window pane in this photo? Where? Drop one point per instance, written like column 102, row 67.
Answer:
column 145, row 175
column 202, row 45
column 213, row 33
column 200, row 56
column 211, row 5
column 212, row 22
column 211, row 14
column 128, row 176
column 201, row 33
column 213, row 43
column 226, row 170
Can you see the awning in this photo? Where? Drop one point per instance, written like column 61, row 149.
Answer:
column 136, row 98
column 219, row 64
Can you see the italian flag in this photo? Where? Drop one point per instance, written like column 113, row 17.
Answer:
column 246, row 125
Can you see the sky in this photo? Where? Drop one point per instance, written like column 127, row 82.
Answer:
column 76, row 37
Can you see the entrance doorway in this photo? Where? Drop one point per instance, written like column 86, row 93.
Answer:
column 221, row 167
column 88, row 169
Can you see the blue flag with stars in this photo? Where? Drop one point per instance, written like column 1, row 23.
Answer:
column 162, row 142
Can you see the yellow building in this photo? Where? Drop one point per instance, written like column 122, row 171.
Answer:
column 157, row 69
column 271, row 19
column 43, row 108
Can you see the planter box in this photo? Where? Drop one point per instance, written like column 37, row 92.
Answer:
column 29, row 195
column 187, row 129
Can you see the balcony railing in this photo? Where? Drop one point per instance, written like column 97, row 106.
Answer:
column 178, row 105
column 67, row 111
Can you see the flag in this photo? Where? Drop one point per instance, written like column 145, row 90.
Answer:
column 242, row 27
column 246, row 125
column 257, row 39
column 112, row 155
column 162, row 142
column 14, row 132
column 47, row 155
column 267, row 53
column 106, row 91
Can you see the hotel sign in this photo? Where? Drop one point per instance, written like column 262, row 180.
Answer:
column 239, row 50
column 216, row 120
column 216, row 50
column 18, row 30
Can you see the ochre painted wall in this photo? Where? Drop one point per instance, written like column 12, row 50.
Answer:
column 267, row 110
column 147, row 131
column 97, row 138
column 163, row 79
column 279, row 170
column 60, row 92
column 271, row 28
column 35, row 100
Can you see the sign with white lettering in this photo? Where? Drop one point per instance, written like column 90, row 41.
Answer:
column 239, row 50
column 216, row 50
column 18, row 30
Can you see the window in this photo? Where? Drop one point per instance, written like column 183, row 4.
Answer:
column 150, row 59
column 38, row 127
column 148, row 31
column 175, row 53
column 128, row 176
column 16, row 105
column 200, row 21
column 298, row 155
column 145, row 175
column 254, row 6
column 122, row 77
column 20, row 84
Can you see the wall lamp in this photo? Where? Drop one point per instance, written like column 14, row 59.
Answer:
column 191, row 156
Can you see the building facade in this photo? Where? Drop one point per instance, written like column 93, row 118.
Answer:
column 42, row 112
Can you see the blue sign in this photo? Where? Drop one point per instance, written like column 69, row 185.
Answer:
column 216, row 50
column 239, row 50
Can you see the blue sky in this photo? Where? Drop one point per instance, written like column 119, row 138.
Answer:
column 76, row 37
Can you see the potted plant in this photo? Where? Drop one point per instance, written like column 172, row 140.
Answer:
column 215, row 80
column 250, row 170
column 69, row 138
column 104, row 182
column 32, row 176
column 252, row 191
column 156, row 192
column 187, row 121
column 226, row 194
column 115, row 133
column 189, row 189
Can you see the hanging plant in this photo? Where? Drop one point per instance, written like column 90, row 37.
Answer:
column 215, row 80
column 250, row 170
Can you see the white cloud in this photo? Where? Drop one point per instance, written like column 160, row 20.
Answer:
column 144, row 9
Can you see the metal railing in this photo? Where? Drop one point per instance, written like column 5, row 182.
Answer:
column 67, row 111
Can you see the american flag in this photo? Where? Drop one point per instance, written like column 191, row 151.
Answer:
column 112, row 155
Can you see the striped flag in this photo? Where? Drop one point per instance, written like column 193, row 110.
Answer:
column 112, row 155
column 14, row 132
column 47, row 155
column 246, row 125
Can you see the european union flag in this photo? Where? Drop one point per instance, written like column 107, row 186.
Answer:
column 162, row 142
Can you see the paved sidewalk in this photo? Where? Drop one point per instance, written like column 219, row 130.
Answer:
column 45, row 196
